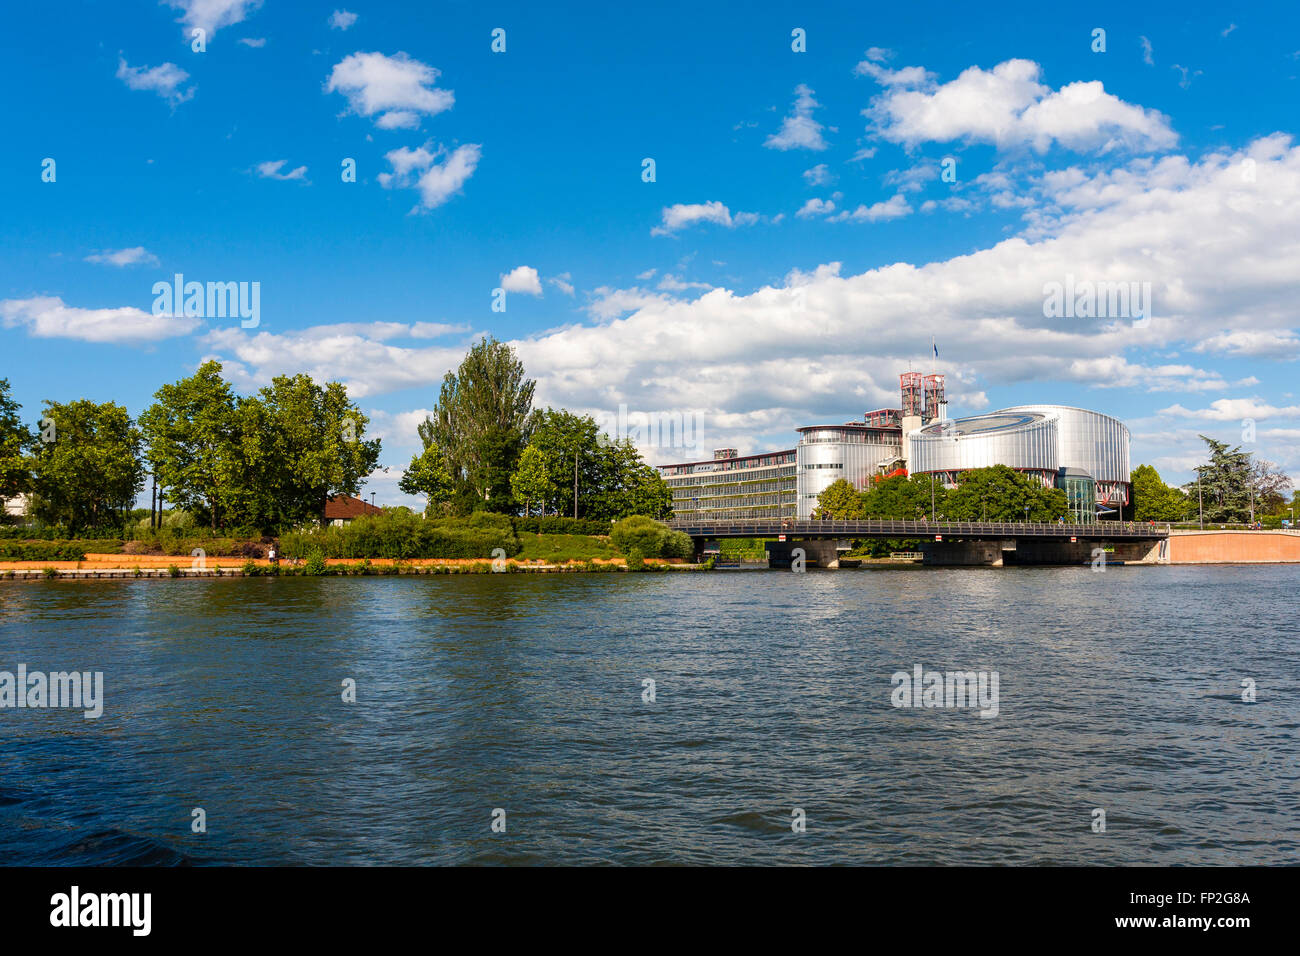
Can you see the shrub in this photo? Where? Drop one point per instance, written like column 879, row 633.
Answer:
column 678, row 545
column 560, row 525
column 136, row 572
column 315, row 564
column 40, row 551
column 250, row 568
column 403, row 535
column 635, row 560
column 640, row 533
column 173, row 571
column 50, row 573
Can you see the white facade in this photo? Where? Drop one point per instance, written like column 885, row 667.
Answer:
column 827, row 453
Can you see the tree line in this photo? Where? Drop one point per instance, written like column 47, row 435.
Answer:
column 268, row 461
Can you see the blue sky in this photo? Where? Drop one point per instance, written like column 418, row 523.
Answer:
column 797, row 249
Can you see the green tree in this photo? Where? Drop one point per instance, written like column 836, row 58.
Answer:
column 839, row 500
column 1225, row 483
column 904, row 497
column 1000, row 493
column 1153, row 500
column 191, row 433
column 531, row 484
column 90, row 472
column 299, row 444
column 15, row 440
column 480, row 424
column 625, row 485
column 425, row 475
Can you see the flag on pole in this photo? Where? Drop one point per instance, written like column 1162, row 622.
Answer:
column 935, row 347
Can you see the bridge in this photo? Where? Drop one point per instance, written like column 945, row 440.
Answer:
column 812, row 529
column 992, row 543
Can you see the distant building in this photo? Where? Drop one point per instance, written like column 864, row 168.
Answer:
column 1084, row 453
column 16, row 507
column 340, row 509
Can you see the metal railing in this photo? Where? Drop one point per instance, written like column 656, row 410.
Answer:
column 897, row 528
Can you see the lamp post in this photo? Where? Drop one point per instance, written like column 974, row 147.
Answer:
column 1200, row 498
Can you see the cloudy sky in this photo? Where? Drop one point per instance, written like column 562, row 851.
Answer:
column 828, row 189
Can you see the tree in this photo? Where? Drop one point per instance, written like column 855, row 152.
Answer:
column 904, row 497
column 1269, row 484
column 1223, row 491
column 1153, row 500
column 299, row 443
column 91, row 471
column 839, row 500
column 15, row 440
column 625, row 484
column 1000, row 493
column 191, row 433
column 480, row 424
column 531, row 483
column 425, row 475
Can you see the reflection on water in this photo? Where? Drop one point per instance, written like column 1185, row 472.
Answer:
column 1119, row 690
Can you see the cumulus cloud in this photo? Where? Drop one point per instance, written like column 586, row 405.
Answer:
column 893, row 208
column 563, row 282
column 815, row 207
column 166, row 80
column 436, row 182
column 799, row 130
column 522, row 279
column 271, row 170
column 1233, row 410
column 48, row 317
column 1010, row 107
column 819, row 175
column 681, row 215
column 212, row 15
column 342, row 19
column 135, row 256
column 397, row 90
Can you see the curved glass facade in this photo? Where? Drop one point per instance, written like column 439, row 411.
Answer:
column 1025, row 442
column 828, row 453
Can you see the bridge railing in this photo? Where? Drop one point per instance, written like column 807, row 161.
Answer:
column 900, row 528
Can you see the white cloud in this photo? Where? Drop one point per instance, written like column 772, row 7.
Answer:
column 1254, row 343
column 396, row 90
column 255, row 42
column 342, row 19
column 681, row 215
column 436, row 182
column 1008, row 107
column 166, row 80
column 135, row 256
column 815, row 207
column 522, row 279
column 1233, row 410
column 819, row 175
column 563, row 282
column 799, row 130
column 1147, row 51
column 893, row 208
column 48, row 317
column 212, row 15
column 271, row 170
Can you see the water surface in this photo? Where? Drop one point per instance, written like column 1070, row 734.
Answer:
column 1119, row 690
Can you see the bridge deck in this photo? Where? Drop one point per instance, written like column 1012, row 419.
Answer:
column 888, row 528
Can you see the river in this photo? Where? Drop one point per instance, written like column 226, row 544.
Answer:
column 523, row 699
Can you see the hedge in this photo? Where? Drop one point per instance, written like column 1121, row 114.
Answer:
column 398, row 535
column 562, row 525
column 40, row 551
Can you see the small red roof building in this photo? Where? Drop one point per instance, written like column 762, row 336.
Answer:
column 340, row 509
